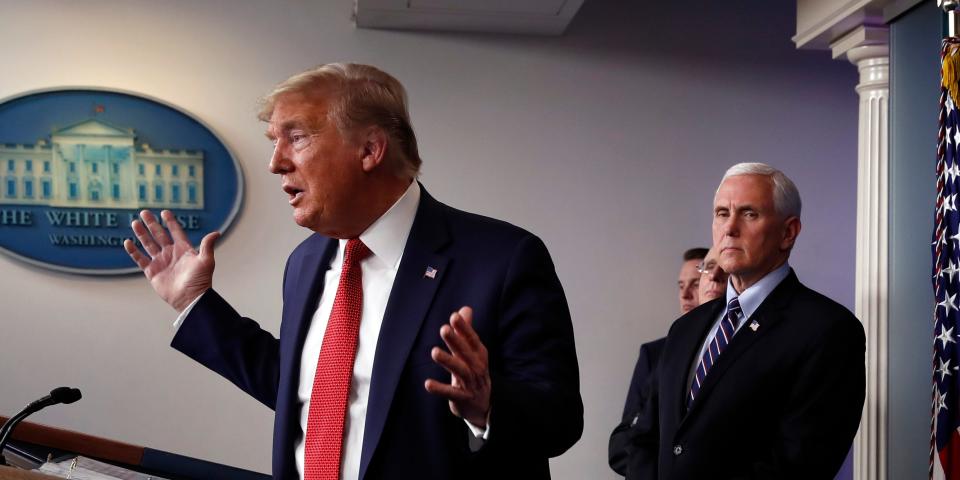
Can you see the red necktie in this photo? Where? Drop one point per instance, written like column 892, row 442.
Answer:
column 331, row 383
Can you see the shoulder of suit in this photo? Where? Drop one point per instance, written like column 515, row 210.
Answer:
column 482, row 228
column 817, row 308
column 652, row 349
column 655, row 345
column 808, row 297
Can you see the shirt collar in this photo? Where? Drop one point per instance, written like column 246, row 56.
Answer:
column 751, row 298
column 387, row 236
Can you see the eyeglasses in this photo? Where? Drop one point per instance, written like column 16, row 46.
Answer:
column 706, row 267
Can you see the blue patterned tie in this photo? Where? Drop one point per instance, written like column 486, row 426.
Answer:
column 728, row 326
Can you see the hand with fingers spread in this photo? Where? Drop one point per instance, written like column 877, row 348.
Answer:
column 177, row 272
column 467, row 362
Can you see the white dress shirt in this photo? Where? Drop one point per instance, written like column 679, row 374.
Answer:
column 385, row 238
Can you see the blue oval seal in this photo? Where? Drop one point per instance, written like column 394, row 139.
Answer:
column 76, row 165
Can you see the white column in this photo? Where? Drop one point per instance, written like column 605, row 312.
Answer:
column 862, row 48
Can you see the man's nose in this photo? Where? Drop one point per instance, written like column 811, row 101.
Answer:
column 716, row 275
column 730, row 226
column 278, row 161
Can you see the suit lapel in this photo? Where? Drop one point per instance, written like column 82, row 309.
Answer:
column 309, row 276
column 676, row 370
column 306, row 277
column 767, row 315
column 419, row 276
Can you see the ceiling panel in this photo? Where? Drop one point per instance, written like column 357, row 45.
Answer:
column 527, row 7
column 535, row 17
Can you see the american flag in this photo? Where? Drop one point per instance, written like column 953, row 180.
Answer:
column 945, row 417
column 430, row 273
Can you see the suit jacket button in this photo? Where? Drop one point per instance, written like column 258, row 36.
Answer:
column 677, row 450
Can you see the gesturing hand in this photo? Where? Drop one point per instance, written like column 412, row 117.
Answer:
column 177, row 272
column 469, row 389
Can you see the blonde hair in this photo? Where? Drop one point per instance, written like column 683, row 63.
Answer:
column 359, row 96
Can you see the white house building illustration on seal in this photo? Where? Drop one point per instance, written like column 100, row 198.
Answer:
column 93, row 164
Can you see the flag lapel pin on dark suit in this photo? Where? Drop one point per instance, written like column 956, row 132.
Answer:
column 430, row 272
column 754, row 325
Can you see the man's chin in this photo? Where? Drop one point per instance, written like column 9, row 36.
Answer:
column 299, row 220
column 731, row 264
column 303, row 219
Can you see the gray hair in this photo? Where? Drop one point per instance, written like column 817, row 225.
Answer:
column 359, row 96
column 786, row 197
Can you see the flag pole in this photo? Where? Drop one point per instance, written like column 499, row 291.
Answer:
column 950, row 8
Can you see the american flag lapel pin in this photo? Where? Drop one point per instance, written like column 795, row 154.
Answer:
column 430, row 273
column 754, row 325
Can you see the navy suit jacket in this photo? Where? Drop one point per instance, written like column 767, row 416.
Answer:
column 520, row 313
column 623, row 455
column 783, row 400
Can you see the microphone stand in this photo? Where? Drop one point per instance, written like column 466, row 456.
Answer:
column 57, row 395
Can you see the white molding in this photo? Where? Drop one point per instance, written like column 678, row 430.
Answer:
column 854, row 31
column 873, row 62
column 859, row 37
column 822, row 22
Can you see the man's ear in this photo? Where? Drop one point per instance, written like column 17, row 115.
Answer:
column 373, row 148
column 791, row 228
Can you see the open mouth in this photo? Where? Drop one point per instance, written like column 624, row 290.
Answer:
column 294, row 193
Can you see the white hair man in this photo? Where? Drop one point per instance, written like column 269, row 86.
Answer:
column 768, row 381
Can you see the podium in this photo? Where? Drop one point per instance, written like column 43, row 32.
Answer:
column 10, row 473
column 43, row 441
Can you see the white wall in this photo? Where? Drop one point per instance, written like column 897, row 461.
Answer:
column 608, row 142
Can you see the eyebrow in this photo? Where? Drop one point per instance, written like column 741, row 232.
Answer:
column 290, row 124
column 740, row 208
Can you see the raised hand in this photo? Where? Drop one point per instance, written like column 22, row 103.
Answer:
column 469, row 389
column 177, row 272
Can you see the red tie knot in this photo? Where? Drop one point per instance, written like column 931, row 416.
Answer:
column 355, row 252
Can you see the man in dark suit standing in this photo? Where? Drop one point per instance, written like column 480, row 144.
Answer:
column 770, row 381
column 709, row 282
column 688, row 283
column 360, row 384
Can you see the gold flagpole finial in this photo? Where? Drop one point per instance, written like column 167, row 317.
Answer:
column 950, row 8
column 950, row 66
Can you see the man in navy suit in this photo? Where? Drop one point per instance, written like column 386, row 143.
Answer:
column 767, row 382
column 708, row 281
column 444, row 336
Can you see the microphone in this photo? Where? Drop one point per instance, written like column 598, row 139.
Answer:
column 57, row 395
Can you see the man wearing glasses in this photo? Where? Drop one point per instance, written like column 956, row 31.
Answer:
column 768, row 381
column 688, row 280
column 701, row 280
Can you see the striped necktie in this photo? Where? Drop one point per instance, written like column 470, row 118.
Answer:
column 728, row 326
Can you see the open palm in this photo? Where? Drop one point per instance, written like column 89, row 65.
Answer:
column 177, row 272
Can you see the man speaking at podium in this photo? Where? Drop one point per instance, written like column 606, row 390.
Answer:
column 417, row 341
